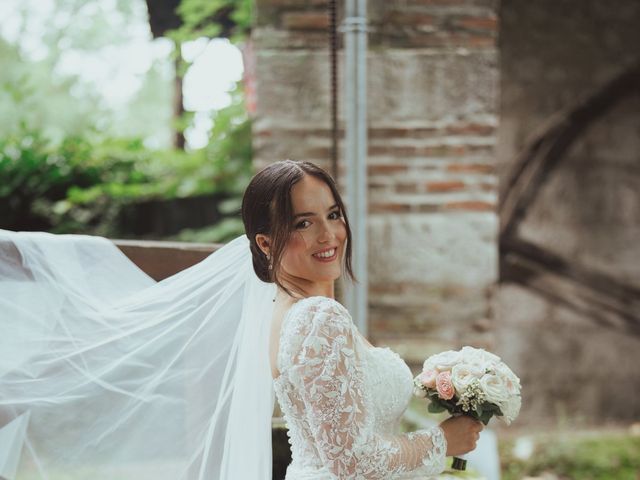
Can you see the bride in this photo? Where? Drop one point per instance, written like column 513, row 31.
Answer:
column 106, row 374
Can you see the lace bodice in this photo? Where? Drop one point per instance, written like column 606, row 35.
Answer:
column 342, row 400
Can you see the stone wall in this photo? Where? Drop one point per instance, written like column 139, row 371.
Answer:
column 553, row 53
column 432, row 89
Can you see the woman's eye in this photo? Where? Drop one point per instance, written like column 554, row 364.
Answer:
column 302, row 224
column 336, row 214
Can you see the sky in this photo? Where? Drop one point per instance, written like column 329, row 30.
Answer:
column 115, row 70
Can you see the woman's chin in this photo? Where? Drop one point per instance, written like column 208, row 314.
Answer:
column 328, row 277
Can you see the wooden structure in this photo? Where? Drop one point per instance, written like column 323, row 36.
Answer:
column 598, row 296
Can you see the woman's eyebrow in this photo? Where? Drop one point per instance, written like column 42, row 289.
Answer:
column 311, row 214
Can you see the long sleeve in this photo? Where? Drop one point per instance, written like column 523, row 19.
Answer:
column 329, row 378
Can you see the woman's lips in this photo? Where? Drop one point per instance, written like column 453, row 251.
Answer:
column 327, row 259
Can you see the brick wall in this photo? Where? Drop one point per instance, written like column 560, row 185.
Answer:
column 432, row 89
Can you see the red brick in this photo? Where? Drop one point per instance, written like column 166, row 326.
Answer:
column 447, row 186
column 471, row 129
column 441, row 39
column 306, row 20
column 478, row 41
column 318, row 152
column 444, row 150
column 406, row 188
column 389, row 208
column 478, row 23
column 439, row 2
column 471, row 205
column 384, row 169
column 429, row 208
column 432, row 151
column 405, row 18
column 402, row 132
column 389, row 132
column 470, row 168
column 392, row 150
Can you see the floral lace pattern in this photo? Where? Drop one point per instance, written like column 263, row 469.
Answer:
column 342, row 401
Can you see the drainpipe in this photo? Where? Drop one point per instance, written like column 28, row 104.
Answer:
column 355, row 32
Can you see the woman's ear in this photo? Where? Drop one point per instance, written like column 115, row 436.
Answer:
column 263, row 243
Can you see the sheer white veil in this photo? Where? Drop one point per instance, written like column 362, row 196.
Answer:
column 107, row 374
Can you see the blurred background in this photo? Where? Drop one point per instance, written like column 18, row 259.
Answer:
column 120, row 118
column 503, row 171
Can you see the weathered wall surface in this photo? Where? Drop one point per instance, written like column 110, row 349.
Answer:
column 432, row 88
column 552, row 54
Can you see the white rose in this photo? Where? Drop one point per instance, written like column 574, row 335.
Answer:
column 442, row 361
column 512, row 382
column 463, row 374
column 494, row 388
column 479, row 356
column 511, row 408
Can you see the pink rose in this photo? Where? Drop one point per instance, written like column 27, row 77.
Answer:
column 445, row 386
column 428, row 378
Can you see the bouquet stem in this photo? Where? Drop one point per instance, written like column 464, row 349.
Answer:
column 459, row 463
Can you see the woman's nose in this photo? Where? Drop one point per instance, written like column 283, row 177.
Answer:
column 327, row 233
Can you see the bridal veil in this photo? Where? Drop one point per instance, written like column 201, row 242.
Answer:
column 107, row 374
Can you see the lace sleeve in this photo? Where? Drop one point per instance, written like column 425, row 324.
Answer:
column 329, row 377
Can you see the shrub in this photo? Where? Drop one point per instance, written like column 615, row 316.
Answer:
column 80, row 185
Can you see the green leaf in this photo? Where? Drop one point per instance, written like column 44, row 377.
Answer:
column 485, row 417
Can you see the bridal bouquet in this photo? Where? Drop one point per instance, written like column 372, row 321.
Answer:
column 470, row 382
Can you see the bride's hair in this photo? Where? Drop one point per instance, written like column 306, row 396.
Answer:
column 267, row 209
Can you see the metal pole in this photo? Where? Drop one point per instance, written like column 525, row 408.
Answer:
column 355, row 28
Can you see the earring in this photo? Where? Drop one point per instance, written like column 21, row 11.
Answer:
column 269, row 260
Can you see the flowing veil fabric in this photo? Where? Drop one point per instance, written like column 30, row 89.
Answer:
column 107, row 374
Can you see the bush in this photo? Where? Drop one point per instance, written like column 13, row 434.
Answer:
column 80, row 185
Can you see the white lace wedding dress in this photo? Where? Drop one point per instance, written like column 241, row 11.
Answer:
column 342, row 400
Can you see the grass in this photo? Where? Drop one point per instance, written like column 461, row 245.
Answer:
column 595, row 455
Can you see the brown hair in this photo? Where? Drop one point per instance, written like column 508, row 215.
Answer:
column 267, row 209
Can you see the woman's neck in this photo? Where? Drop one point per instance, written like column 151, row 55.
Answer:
column 323, row 290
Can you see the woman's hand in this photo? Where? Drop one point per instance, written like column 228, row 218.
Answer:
column 462, row 434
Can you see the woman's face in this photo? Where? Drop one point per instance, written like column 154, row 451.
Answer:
column 319, row 230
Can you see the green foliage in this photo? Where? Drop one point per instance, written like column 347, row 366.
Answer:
column 221, row 232
column 37, row 90
column 81, row 185
column 64, row 187
column 213, row 18
column 572, row 456
column 64, row 164
column 485, row 412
